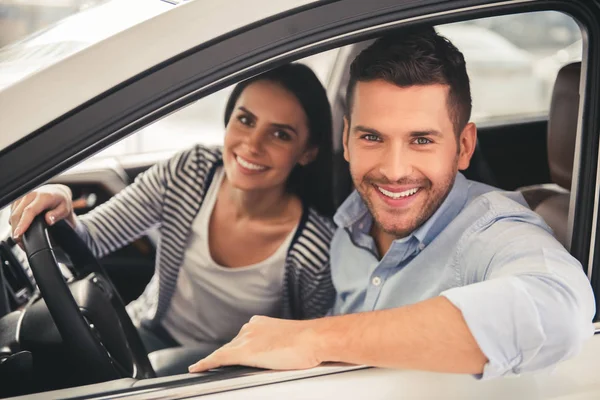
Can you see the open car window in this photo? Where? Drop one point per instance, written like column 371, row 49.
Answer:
column 201, row 122
column 513, row 60
column 511, row 79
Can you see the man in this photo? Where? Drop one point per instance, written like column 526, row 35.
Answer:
column 435, row 272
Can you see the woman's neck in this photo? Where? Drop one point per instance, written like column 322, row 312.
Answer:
column 258, row 204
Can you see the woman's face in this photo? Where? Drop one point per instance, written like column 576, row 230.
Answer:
column 266, row 137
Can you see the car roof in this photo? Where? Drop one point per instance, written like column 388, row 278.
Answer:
column 53, row 91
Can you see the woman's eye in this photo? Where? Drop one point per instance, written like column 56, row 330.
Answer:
column 283, row 135
column 370, row 138
column 245, row 120
column 422, row 141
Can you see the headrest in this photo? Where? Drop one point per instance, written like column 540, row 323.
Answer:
column 562, row 124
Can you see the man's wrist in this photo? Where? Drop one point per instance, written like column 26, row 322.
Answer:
column 326, row 340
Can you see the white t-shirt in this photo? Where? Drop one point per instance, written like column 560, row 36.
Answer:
column 212, row 302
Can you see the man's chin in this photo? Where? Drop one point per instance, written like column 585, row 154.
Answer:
column 391, row 226
column 397, row 232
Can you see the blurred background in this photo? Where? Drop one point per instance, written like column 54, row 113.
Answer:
column 512, row 61
column 19, row 18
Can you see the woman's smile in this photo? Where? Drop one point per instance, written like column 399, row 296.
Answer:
column 249, row 166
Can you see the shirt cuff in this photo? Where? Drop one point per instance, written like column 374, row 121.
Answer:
column 504, row 322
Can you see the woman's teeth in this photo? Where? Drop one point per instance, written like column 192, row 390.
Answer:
column 249, row 165
column 398, row 195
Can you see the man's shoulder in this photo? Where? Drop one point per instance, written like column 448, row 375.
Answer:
column 493, row 199
column 487, row 205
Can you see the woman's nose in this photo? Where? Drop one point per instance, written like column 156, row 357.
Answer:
column 254, row 141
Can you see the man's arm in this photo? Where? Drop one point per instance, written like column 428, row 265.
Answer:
column 530, row 308
column 431, row 335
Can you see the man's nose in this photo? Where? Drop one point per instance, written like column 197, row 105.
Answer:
column 396, row 163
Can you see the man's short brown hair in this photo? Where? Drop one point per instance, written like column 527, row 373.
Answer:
column 416, row 57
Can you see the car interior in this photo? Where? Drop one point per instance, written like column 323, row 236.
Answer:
column 534, row 156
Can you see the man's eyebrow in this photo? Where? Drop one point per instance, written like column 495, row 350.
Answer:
column 421, row 133
column 428, row 132
column 276, row 125
column 364, row 129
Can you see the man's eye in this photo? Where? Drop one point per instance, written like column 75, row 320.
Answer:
column 422, row 141
column 283, row 135
column 371, row 138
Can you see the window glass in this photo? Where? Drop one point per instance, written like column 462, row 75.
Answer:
column 513, row 60
column 201, row 122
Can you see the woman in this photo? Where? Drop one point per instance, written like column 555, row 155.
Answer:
column 243, row 229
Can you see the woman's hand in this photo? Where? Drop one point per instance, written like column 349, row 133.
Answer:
column 55, row 199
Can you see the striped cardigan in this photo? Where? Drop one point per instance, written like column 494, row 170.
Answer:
column 169, row 196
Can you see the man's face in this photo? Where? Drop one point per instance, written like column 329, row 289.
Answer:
column 403, row 152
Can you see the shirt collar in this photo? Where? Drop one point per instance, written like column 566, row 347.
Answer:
column 352, row 210
column 450, row 208
column 354, row 214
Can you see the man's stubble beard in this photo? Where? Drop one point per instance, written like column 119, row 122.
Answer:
column 433, row 202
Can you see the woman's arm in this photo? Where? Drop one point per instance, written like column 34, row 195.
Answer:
column 130, row 213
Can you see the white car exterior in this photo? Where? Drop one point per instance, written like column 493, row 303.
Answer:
column 67, row 84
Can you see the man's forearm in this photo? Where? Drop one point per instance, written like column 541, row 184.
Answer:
column 430, row 335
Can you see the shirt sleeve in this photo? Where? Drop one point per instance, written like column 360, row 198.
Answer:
column 526, row 300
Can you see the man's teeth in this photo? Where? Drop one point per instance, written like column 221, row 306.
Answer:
column 398, row 195
column 249, row 165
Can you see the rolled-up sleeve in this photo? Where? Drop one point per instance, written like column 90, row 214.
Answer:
column 534, row 305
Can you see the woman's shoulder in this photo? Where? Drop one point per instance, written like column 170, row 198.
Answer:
column 321, row 221
column 192, row 160
column 199, row 154
column 316, row 227
column 310, row 248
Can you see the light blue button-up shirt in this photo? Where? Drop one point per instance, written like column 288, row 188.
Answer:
column 525, row 299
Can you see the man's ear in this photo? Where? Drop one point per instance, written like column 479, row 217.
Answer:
column 345, row 138
column 467, row 142
column 309, row 156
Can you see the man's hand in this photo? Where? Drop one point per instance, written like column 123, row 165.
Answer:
column 431, row 335
column 268, row 343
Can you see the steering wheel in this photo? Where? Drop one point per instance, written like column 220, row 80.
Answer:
column 99, row 333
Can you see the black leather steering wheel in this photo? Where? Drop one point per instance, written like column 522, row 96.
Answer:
column 99, row 334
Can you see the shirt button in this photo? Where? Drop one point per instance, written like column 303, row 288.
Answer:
column 376, row 281
column 421, row 246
